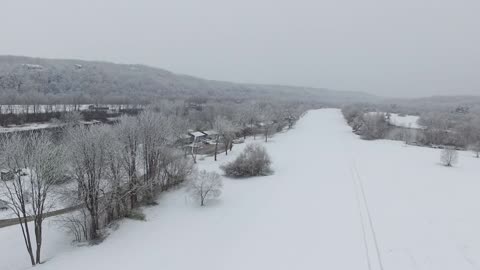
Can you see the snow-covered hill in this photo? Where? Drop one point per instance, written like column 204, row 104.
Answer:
column 308, row 215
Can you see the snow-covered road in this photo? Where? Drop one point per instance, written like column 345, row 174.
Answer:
column 308, row 215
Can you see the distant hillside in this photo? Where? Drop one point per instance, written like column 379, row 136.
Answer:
column 25, row 79
column 433, row 104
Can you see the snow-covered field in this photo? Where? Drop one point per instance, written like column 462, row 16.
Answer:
column 308, row 215
column 26, row 127
column 408, row 121
column 64, row 197
column 21, row 109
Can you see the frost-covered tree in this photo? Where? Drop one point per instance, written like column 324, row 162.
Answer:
column 88, row 160
column 226, row 131
column 253, row 161
column 436, row 128
column 72, row 118
column 156, row 132
column 205, row 185
column 36, row 164
column 115, row 189
column 449, row 156
column 475, row 148
column 175, row 168
column 374, row 126
column 127, row 133
column 267, row 115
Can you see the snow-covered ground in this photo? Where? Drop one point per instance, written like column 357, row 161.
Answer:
column 20, row 109
column 64, row 197
column 308, row 215
column 26, row 127
column 408, row 121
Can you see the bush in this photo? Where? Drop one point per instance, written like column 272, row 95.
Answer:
column 136, row 215
column 253, row 161
column 449, row 156
column 205, row 185
column 373, row 126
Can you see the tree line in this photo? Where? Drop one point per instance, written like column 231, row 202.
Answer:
column 458, row 127
column 114, row 169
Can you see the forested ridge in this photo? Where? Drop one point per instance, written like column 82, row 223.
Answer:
column 25, row 80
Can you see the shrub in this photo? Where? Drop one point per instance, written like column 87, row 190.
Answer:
column 373, row 126
column 449, row 156
column 136, row 215
column 205, row 185
column 253, row 161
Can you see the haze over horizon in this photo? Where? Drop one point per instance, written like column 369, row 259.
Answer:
column 344, row 45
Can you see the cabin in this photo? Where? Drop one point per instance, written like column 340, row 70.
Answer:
column 197, row 136
column 184, row 139
column 210, row 134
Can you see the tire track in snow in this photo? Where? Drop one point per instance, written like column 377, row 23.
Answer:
column 364, row 213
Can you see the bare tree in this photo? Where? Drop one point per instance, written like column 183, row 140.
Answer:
column 407, row 134
column 475, row 148
column 267, row 116
column 245, row 117
column 226, row 130
column 205, row 185
column 128, row 136
column 72, row 118
column 115, row 176
column 37, row 164
column 449, row 156
column 88, row 149
column 291, row 112
column 175, row 168
column 156, row 131
column 374, row 126
column 13, row 149
column 436, row 129
column 76, row 224
column 194, row 149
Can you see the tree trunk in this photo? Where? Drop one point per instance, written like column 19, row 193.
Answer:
column 133, row 196
column 25, row 230
column 93, row 211
column 38, row 238
column 133, row 189
column 93, row 226
column 26, row 237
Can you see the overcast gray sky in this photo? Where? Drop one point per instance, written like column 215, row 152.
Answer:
column 385, row 47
